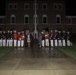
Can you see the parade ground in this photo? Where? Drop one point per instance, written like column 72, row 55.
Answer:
column 37, row 61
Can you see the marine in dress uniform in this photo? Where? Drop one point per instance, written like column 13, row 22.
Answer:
column 19, row 39
column 4, row 38
column 51, row 38
column 0, row 38
column 22, row 39
column 46, row 39
column 63, row 38
column 68, row 39
column 9, row 37
column 56, row 38
column 59, row 38
column 15, row 39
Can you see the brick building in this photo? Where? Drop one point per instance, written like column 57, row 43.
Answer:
column 51, row 14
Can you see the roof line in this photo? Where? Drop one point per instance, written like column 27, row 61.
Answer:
column 2, row 16
column 71, row 16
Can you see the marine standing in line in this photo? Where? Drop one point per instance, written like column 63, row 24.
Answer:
column 22, row 38
column 51, row 38
column 0, row 38
column 59, row 38
column 18, row 39
column 56, row 38
column 68, row 39
column 15, row 38
column 47, row 39
column 8, row 37
column 63, row 38
column 4, row 38
column 43, row 39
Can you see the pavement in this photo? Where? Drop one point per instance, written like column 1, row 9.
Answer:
column 37, row 61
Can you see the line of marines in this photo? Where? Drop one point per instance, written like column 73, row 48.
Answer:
column 9, row 38
column 55, row 38
column 21, row 39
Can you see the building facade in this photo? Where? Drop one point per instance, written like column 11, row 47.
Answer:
column 50, row 14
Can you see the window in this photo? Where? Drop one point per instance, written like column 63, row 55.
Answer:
column 70, row 20
column 44, row 19
column 10, row 6
column 26, row 19
column 36, row 19
column 36, row 6
column 13, row 19
column 0, row 20
column 44, row 6
column 55, row 6
column 15, row 6
column 60, row 6
column 58, row 19
column 26, row 6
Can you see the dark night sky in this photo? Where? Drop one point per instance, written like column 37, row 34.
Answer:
column 2, row 7
column 70, row 7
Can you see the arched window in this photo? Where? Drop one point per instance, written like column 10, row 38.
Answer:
column 26, row 19
column 36, row 19
column 13, row 19
column 58, row 19
column 44, row 19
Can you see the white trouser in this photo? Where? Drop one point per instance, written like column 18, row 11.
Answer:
column 47, row 42
column 15, row 43
column 0, row 42
column 56, row 43
column 4, row 42
column 11, row 43
column 19, row 43
column 43, row 43
column 51, row 43
column 68, row 42
column 8, row 42
column 22, row 43
column 59, row 42
column 63, row 43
